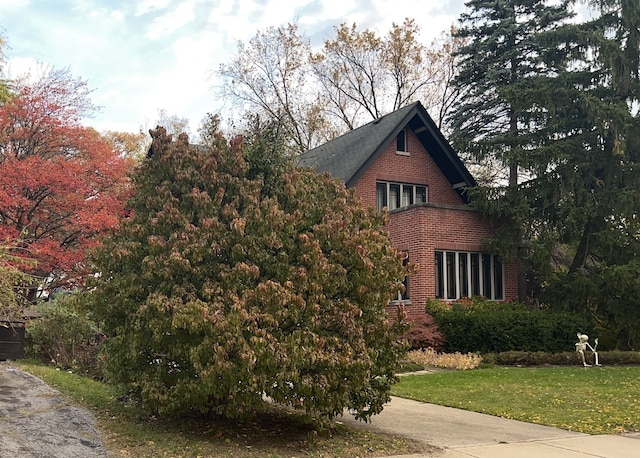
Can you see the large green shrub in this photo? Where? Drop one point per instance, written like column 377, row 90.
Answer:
column 215, row 293
column 66, row 337
column 478, row 325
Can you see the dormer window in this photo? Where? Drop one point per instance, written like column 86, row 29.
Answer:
column 401, row 143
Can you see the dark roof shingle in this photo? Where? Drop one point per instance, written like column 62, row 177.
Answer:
column 347, row 156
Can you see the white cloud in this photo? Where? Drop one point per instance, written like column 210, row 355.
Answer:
column 19, row 67
column 170, row 21
column 117, row 15
column 149, row 55
column 146, row 6
column 340, row 10
column 14, row 4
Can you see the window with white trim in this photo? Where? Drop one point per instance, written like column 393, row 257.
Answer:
column 398, row 195
column 463, row 274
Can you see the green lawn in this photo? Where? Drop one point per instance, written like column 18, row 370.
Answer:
column 128, row 432
column 595, row 400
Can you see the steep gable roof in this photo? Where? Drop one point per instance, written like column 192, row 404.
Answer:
column 349, row 155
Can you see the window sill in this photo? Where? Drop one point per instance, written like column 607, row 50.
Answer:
column 450, row 301
column 402, row 302
column 403, row 153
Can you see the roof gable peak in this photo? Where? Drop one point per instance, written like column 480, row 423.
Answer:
column 348, row 156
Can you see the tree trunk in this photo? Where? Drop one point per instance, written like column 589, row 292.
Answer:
column 522, row 284
column 582, row 253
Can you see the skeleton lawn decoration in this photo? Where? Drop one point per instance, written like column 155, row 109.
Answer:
column 583, row 344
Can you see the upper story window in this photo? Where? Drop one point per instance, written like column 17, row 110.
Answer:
column 398, row 195
column 401, row 143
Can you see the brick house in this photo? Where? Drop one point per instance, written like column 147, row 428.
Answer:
column 403, row 162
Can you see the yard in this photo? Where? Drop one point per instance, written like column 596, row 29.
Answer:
column 594, row 400
column 129, row 432
column 597, row 400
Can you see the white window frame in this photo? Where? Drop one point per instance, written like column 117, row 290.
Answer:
column 445, row 290
column 400, row 201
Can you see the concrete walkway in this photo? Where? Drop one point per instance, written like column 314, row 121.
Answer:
column 36, row 422
column 463, row 434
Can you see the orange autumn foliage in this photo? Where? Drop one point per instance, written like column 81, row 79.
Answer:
column 61, row 184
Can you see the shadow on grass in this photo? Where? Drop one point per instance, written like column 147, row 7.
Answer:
column 276, row 431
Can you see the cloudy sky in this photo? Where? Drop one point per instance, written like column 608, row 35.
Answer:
column 141, row 56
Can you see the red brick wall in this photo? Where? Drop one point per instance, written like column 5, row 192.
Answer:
column 443, row 223
column 424, row 229
column 417, row 168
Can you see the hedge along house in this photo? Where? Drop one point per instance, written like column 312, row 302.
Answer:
column 402, row 161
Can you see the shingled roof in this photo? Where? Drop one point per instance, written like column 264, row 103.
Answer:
column 349, row 155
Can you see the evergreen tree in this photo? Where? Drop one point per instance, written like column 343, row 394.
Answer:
column 598, row 180
column 574, row 217
column 496, row 122
column 491, row 122
column 214, row 294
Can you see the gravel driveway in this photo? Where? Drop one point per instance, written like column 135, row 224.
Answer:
column 37, row 421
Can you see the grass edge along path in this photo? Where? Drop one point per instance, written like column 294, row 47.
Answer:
column 280, row 433
column 594, row 400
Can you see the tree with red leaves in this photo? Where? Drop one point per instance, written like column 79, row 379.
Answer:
column 61, row 184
